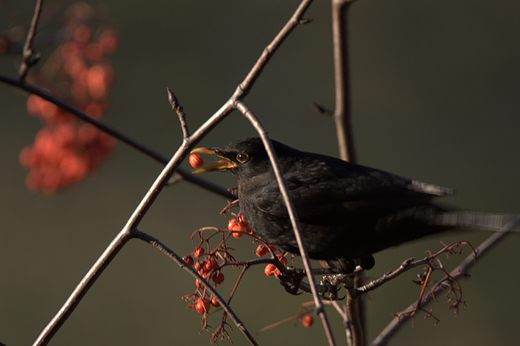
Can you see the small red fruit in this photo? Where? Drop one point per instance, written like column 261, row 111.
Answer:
column 210, row 264
column 198, row 252
column 282, row 259
column 188, row 259
column 199, row 284
column 202, row 305
column 218, row 278
column 196, row 160
column 214, row 302
column 307, row 321
column 238, row 235
column 270, row 269
column 234, row 225
column 242, row 221
column 198, row 266
column 261, row 250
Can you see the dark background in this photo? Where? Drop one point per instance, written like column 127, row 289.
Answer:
column 435, row 98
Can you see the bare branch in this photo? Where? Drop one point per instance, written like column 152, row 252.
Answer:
column 157, row 186
column 296, row 19
column 342, row 119
column 82, row 288
column 186, row 175
column 384, row 337
column 342, row 116
column 180, row 112
column 28, row 58
column 164, row 249
column 284, row 189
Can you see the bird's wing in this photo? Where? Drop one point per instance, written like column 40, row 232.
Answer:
column 318, row 187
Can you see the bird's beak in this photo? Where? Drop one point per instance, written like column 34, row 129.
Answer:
column 213, row 166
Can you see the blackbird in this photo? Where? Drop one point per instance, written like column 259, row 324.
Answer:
column 347, row 211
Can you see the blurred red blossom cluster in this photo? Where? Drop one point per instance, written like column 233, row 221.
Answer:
column 66, row 150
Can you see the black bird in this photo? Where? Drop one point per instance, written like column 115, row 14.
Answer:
column 346, row 211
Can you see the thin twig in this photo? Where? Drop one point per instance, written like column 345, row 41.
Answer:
column 79, row 292
column 295, row 20
column 342, row 119
column 186, row 175
column 28, row 58
column 391, row 329
column 176, row 106
column 150, row 196
column 225, row 305
column 284, row 189
column 342, row 116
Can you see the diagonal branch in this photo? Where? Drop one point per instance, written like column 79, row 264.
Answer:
column 164, row 249
column 284, row 189
column 391, row 329
column 173, row 165
column 186, row 175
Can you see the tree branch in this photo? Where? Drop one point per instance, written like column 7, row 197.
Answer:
column 342, row 119
column 157, row 186
column 29, row 59
column 284, row 189
column 186, row 175
column 172, row 255
column 391, row 329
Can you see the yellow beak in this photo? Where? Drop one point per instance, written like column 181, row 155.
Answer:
column 213, row 166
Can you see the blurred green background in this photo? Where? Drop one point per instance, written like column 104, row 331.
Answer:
column 435, row 97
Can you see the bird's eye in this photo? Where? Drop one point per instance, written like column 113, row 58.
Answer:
column 242, row 157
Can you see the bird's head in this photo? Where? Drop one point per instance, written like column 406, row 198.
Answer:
column 246, row 158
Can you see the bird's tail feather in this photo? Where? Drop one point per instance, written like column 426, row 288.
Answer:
column 480, row 220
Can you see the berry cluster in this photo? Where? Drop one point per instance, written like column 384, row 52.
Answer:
column 209, row 267
column 65, row 150
column 209, row 263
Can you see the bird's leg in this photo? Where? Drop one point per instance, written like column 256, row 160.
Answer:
column 292, row 280
column 346, row 265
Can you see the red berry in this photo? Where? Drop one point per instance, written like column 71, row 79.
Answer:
column 218, row 278
column 270, row 269
column 198, row 266
column 282, row 259
column 196, row 160
column 108, row 41
column 234, row 225
column 238, row 235
column 188, row 259
column 198, row 252
column 202, row 305
column 199, row 284
column 307, row 321
column 261, row 250
column 245, row 225
column 210, row 264
column 214, row 302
